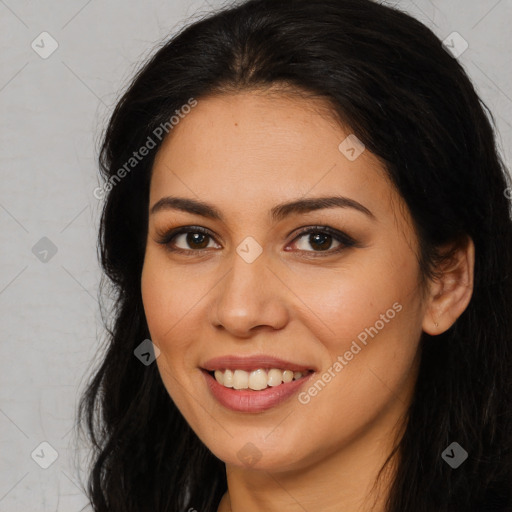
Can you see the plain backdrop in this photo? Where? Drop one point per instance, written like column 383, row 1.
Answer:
column 53, row 109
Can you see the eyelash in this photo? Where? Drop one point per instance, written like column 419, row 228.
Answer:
column 344, row 240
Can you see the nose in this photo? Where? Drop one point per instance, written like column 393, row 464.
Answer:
column 249, row 298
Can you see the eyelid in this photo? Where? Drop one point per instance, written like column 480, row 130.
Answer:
column 335, row 233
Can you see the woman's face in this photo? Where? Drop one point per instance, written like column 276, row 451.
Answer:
column 244, row 290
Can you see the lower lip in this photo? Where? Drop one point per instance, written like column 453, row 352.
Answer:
column 243, row 400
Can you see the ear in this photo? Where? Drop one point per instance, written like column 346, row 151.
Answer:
column 451, row 290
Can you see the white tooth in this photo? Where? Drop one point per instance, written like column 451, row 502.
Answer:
column 287, row 376
column 258, row 380
column 219, row 376
column 275, row 377
column 297, row 375
column 228, row 379
column 240, row 379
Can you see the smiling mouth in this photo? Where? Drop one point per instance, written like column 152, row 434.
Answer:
column 256, row 380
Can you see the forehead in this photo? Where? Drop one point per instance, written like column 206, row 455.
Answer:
column 254, row 147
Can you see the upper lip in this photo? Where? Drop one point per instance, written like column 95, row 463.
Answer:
column 251, row 363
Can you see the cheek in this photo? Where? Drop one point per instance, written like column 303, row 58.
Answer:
column 168, row 307
column 374, row 316
column 347, row 302
column 370, row 358
column 155, row 298
column 173, row 297
column 166, row 302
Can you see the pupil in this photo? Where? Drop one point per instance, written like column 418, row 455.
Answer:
column 320, row 239
column 196, row 238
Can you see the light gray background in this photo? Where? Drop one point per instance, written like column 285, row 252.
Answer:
column 52, row 114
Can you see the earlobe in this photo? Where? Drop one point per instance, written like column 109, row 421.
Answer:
column 452, row 288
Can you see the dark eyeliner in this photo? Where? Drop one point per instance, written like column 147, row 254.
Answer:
column 168, row 236
column 345, row 240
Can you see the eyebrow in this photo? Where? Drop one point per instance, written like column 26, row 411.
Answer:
column 277, row 213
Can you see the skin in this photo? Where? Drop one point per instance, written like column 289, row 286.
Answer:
column 245, row 153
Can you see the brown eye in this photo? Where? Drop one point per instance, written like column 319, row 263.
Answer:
column 320, row 239
column 193, row 240
column 188, row 239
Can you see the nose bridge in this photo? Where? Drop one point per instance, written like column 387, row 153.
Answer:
column 248, row 295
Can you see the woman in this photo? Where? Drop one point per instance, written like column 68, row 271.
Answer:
column 309, row 240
